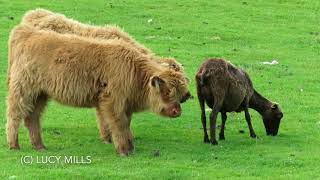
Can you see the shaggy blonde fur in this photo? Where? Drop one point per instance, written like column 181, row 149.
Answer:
column 110, row 75
column 47, row 20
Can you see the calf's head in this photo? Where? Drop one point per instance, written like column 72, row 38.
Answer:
column 171, row 63
column 168, row 90
column 271, row 119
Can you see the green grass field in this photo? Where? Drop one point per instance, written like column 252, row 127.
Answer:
column 246, row 33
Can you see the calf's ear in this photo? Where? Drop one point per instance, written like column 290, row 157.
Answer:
column 157, row 82
column 187, row 80
column 274, row 106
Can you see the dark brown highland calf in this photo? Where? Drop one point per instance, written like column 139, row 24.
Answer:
column 111, row 76
column 226, row 88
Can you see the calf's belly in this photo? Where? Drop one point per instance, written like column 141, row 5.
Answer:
column 232, row 104
column 74, row 94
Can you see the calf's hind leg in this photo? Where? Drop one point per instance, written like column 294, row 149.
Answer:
column 203, row 112
column 213, row 120
column 223, row 124
column 32, row 122
column 203, row 120
column 217, row 104
column 13, row 122
column 18, row 108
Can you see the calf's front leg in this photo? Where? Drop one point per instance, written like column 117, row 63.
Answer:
column 223, row 124
column 121, row 135
column 248, row 119
column 119, row 126
column 105, row 133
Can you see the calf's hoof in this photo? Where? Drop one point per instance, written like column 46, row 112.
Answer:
column 131, row 146
column 254, row 136
column 241, row 131
column 125, row 149
column 206, row 140
column 107, row 141
column 16, row 147
column 221, row 137
column 40, row 147
column 214, row 142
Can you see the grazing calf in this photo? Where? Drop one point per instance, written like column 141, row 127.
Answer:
column 225, row 88
column 110, row 76
column 47, row 20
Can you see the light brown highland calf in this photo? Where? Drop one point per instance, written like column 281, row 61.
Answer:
column 47, row 20
column 111, row 76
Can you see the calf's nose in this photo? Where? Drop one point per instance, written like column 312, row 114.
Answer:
column 176, row 111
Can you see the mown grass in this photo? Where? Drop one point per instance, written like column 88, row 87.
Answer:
column 244, row 32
